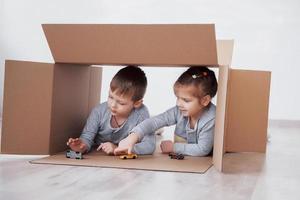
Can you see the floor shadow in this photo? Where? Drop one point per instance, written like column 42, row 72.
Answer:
column 235, row 163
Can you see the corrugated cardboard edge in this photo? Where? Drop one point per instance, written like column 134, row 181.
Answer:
column 219, row 137
column 225, row 52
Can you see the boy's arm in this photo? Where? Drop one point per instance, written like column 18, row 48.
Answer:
column 76, row 144
column 91, row 128
column 204, row 145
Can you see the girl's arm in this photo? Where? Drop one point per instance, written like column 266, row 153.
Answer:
column 147, row 144
column 204, row 145
column 149, row 126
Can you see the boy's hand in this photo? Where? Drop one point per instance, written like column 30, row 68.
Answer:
column 126, row 145
column 77, row 145
column 166, row 146
column 107, row 147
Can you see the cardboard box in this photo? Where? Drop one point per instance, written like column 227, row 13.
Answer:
column 44, row 104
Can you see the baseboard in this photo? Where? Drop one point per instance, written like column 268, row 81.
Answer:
column 284, row 123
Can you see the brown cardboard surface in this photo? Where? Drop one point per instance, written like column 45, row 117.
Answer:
column 44, row 104
column 27, row 107
column 95, row 86
column 156, row 162
column 247, row 111
column 121, row 44
column 219, row 136
column 70, row 105
column 225, row 51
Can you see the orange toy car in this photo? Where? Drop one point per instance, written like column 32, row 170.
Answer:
column 128, row 156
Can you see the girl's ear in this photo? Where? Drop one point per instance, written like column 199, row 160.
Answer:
column 205, row 100
column 138, row 103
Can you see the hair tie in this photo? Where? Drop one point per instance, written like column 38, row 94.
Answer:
column 194, row 76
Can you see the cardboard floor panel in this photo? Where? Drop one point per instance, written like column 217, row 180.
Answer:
column 156, row 162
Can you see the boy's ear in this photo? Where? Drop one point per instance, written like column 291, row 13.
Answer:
column 138, row 103
column 205, row 100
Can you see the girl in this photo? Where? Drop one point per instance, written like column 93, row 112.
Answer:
column 194, row 116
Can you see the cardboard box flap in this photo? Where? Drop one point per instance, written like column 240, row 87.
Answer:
column 27, row 107
column 219, row 136
column 247, row 111
column 95, row 87
column 122, row 44
column 72, row 101
column 225, row 52
column 45, row 104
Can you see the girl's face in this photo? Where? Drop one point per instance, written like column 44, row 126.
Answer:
column 188, row 104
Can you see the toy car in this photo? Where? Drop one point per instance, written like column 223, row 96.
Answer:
column 177, row 156
column 74, row 154
column 128, row 156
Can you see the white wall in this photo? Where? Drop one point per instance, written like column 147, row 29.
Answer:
column 266, row 35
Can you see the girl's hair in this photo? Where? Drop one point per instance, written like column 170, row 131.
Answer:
column 130, row 80
column 202, row 78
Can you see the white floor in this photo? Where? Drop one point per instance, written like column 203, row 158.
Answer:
column 275, row 175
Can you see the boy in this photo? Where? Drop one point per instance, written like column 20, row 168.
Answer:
column 111, row 121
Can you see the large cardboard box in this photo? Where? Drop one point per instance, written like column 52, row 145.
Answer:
column 47, row 103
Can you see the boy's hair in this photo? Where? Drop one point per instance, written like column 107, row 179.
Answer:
column 130, row 80
column 202, row 78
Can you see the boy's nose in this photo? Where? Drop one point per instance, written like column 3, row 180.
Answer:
column 113, row 104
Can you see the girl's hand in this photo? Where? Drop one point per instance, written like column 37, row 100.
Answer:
column 166, row 146
column 107, row 148
column 77, row 145
column 126, row 145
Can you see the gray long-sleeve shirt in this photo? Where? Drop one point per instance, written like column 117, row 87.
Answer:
column 98, row 129
column 199, row 140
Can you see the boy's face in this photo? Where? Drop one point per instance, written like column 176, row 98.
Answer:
column 188, row 104
column 120, row 105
